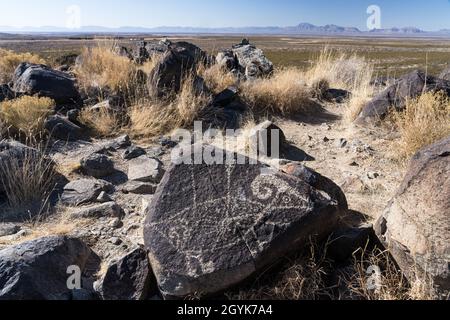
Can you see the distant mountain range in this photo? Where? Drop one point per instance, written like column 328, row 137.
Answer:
column 301, row 29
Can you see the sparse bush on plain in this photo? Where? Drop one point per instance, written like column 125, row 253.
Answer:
column 26, row 115
column 424, row 121
column 10, row 60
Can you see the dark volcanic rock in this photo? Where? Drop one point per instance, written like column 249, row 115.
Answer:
column 181, row 59
column 415, row 225
column 97, row 165
column 270, row 139
column 252, row 61
column 62, row 128
column 210, row 227
column 6, row 93
column 32, row 79
column 133, row 152
column 37, row 270
column 83, row 191
column 130, row 278
column 394, row 97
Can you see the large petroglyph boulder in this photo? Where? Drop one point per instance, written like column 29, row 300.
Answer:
column 210, row 227
column 415, row 226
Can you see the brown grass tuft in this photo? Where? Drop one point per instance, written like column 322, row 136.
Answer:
column 151, row 118
column 10, row 60
column 424, row 121
column 102, row 122
column 102, row 67
column 284, row 93
column 27, row 184
column 216, row 78
column 26, row 114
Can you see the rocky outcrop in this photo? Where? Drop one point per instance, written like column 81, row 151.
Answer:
column 252, row 60
column 34, row 79
column 38, row 269
column 129, row 278
column 210, row 227
column 394, row 97
column 415, row 225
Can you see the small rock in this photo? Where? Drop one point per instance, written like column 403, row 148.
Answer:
column 97, row 165
column 130, row 278
column 145, row 169
column 373, row 175
column 346, row 241
column 267, row 133
column 8, row 229
column 115, row 241
column 354, row 164
column 109, row 209
column 133, row 152
column 116, row 223
column 342, row 143
column 104, row 197
column 83, row 191
column 136, row 187
column 326, row 139
column 167, row 142
column 326, row 126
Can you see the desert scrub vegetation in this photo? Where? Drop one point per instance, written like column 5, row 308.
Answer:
column 284, row 93
column 26, row 115
column 424, row 121
column 216, row 77
column 313, row 276
column 346, row 71
column 151, row 117
column 27, row 183
column 102, row 122
column 10, row 60
column 102, row 67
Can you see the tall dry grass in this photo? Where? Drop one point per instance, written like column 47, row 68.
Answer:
column 102, row 122
column 284, row 93
column 424, row 121
column 150, row 118
column 10, row 60
column 102, row 67
column 27, row 183
column 346, row 71
column 216, row 78
column 26, row 115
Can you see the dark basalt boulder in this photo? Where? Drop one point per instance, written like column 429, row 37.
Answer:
column 394, row 97
column 38, row 269
column 415, row 225
column 211, row 226
column 62, row 128
column 34, row 79
column 6, row 93
column 252, row 61
column 129, row 278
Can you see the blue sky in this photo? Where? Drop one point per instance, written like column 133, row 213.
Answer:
column 425, row 14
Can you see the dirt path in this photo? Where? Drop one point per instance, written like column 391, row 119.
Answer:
column 357, row 159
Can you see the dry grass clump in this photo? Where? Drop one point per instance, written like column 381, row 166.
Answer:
column 344, row 71
column 102, row 122
column 284, row 93
column 26, row 114
column 301, row 279
column 27, row 183
column 387, row 282
column 102, row 67
column 216, row 78
column 10, row 60
column 150, row 118
column 424, row 121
